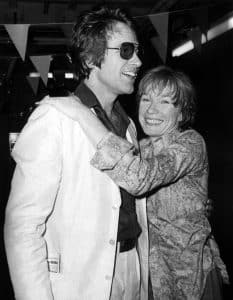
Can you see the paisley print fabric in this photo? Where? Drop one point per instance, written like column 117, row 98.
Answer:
column 172, row 171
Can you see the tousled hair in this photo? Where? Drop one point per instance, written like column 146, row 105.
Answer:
column 90, row 36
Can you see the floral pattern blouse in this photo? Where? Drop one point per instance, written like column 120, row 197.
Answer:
column 172, row 171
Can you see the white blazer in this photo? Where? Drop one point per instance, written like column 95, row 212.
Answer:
column 62, row 215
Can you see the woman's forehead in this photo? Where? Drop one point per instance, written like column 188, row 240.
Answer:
column 157, row 89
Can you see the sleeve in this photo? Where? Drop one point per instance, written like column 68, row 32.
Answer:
column 35, row 183
column 141, row 172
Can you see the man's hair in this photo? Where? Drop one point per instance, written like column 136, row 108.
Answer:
column 182, row 91
column 90, row 36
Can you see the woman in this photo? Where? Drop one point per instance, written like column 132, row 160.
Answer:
column 171, row 168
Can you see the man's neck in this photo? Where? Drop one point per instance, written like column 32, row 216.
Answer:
column 105, row 98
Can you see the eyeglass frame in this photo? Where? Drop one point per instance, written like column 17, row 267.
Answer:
column 135, row 48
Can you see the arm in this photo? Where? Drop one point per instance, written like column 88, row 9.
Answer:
column 141, row 173
column 34, row 187
column 74, row 109
column 88, row 121
column 136, row 172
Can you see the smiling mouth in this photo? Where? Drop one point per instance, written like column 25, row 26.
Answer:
column 131, row 75
column 154, row 121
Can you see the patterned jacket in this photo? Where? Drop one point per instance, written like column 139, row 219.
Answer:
column 174, row 170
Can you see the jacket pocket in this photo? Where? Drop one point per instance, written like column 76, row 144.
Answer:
column 54, row 264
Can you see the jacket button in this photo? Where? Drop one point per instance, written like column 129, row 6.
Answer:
column 112, row 242
column 107, row 277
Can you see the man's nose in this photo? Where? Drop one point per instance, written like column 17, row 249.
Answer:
column 136, row 60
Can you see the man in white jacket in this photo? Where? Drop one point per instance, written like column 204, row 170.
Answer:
column 70, row 232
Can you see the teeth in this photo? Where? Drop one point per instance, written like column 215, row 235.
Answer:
column 154, row 121
column 132, row 74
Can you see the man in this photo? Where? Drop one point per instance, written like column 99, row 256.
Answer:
column 70, row 232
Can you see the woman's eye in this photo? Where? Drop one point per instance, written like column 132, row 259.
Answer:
column 165, row 101
column 144, row 99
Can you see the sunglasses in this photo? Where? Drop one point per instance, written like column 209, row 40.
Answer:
column 127, row 50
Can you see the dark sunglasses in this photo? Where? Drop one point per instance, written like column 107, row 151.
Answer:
column 127, row 50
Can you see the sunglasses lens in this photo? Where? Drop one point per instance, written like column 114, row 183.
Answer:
column 127, row 50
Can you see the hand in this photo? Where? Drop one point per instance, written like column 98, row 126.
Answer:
column 208, row 207
column 70, row 106
column 73, row 108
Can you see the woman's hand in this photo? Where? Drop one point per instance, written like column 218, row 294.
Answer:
column 72, row 107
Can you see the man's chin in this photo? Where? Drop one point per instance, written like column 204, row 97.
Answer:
column 129, row 90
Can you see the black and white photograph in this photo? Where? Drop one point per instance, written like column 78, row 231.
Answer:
column 116, row 149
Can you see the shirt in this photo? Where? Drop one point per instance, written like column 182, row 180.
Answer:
column 128, row 227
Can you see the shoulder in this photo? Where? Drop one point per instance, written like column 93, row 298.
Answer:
column 192, row 142
column 44, row 107
column 190, row 136
column 54, row 107
column 41, row 134
column 46, row 119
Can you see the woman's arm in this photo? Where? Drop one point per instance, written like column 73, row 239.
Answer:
column 74, row 109
column 139, row 174
column 91, row 125
column 136, row 172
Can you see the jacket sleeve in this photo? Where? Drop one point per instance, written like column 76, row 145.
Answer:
column 32, row 197
column 142, row 171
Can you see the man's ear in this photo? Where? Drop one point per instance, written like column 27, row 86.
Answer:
column 180, row 117
column 91, row 65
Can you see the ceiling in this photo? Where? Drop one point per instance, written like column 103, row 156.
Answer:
column 49, row 32
column 48, row 36
column 139, row 6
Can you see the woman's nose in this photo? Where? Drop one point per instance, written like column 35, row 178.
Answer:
column 153, row 108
